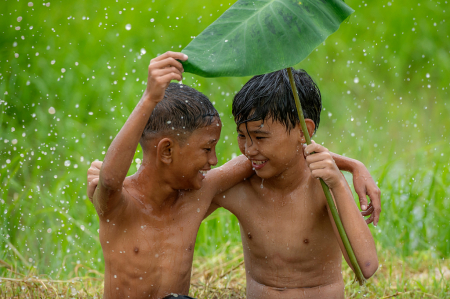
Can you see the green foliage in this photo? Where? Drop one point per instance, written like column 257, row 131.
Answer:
column 384, row 88
column 258, row 37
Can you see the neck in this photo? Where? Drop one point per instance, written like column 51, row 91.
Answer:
column 152, row 189
column 289, row 179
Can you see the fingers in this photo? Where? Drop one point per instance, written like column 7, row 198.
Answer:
column 170, row 54
column 168, row 62
column 314, row 148
column 92, row 184
column 368, row 211
column 375, row 199
column 318, row 156
column 370, row 219
column 362, row 197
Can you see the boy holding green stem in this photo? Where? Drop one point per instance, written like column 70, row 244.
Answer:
column 149, row 221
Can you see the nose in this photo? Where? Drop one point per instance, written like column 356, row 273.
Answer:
column 212, row 159
column 251, row 148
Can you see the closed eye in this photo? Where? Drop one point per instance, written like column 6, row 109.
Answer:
column 207, row 150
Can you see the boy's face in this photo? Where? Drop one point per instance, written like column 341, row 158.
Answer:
column 269, row 146
column 196, row 155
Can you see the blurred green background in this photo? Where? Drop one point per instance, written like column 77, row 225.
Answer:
column 72, row 71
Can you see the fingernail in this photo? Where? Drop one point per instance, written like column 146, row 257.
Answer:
column 363, row 207
column 185, row 56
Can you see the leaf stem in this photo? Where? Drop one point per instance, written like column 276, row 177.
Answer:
column 326, row 190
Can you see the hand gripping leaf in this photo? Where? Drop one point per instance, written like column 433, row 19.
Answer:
column 255, row 37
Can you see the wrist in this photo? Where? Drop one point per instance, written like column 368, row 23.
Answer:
column 340, row 185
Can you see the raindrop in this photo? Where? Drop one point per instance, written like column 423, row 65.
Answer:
column 143, row 51
column 128, row 26
column 427, row 75
column 152, row 20
column 67, row 163
column 51, row 110
column 30, row 4
column 356, row 80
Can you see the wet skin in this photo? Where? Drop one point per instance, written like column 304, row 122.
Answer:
column 148, row 247
column 149, row 221
column 291, row 249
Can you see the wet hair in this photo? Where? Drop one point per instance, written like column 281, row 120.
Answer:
column 182, row 111
column 270, row 96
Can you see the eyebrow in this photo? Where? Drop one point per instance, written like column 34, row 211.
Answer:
column 212, row 141
column 258, row 131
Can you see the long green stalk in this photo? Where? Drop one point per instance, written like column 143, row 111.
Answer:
column 326, row 190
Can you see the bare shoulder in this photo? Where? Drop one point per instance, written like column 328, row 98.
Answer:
column 236, row 196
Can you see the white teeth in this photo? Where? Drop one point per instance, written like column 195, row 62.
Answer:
column 259, row 162
column 203, row 172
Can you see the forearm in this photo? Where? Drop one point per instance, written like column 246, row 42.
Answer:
column 121, row 151
column 231, row 173
column 344, row 163
column 356, row 229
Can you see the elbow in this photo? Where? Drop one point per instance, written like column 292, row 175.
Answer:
column 369, row 267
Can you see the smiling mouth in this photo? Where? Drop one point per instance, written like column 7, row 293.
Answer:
column 258, row 162
column 204, row 172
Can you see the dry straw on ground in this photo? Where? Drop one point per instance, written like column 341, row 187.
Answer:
column 217, row 277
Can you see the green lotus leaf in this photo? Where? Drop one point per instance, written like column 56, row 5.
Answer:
column 254, row 37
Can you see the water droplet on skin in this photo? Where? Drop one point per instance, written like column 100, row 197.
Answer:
column 262, row 183
column 128, row 26
column 156, row 255
column 198, row 210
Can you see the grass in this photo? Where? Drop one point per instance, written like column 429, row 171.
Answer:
column 70, row 74
column 417, row 276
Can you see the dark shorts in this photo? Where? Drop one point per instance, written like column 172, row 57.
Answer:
column 177, row 297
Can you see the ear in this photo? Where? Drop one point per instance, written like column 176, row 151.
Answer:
column 310, row 126
column 164, row 150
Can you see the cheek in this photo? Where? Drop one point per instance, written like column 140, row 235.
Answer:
column 241, row 144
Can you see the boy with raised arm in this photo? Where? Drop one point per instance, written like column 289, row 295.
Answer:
column 149, row 221
column 291, row 245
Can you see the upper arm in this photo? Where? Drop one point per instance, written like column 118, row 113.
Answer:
column 105, row 200
column 229, row 174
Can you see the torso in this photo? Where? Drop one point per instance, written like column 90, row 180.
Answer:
column 148, row 252
column 290, row 249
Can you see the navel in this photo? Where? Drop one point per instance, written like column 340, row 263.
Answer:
column 136, row 250
column 249, row 235
column 306, row 241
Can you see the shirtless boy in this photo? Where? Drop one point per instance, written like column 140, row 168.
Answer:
column 149, row 221
column 291, row 246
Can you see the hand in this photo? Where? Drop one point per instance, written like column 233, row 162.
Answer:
column 322, row 164
column 161, row 71
column 92, row 178
column 365, row 185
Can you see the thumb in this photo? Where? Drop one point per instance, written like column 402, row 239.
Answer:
column 362, row 198
column 91, row 188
